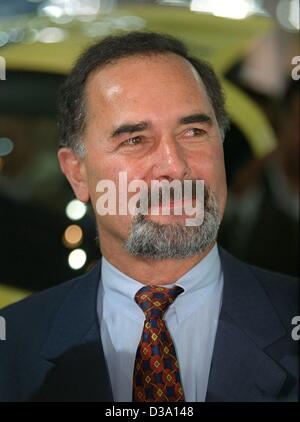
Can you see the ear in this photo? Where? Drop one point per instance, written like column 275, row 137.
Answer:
column 74, row 169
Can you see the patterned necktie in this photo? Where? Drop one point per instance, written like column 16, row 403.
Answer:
column 156, row 375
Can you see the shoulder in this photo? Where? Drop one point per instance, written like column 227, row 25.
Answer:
column 272, row 281
column 281, row 290
column 42, row 303
column 35, row 312
column 28, row 324
column 276, row 282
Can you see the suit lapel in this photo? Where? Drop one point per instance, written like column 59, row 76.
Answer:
column 76, row 367
column 248, row 324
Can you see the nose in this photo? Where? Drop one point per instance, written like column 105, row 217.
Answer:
column 170, row 161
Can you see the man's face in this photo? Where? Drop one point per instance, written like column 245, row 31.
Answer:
column 142, row 119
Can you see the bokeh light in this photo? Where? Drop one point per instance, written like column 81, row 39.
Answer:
column 76, row 210
column 73, row 236
column 6, row 146
column 77, row 259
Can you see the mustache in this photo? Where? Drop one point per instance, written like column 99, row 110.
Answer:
column 158, row 193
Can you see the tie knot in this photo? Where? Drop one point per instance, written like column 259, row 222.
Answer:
column 155, row 300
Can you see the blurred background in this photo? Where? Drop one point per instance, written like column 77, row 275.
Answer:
column 46, row 235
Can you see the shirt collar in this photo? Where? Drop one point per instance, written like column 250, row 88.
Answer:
column 121, row 289
column 202, row 274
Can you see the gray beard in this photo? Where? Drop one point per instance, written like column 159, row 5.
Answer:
column 153, row 240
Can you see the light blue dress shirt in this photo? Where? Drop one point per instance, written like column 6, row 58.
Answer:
column 192, row 321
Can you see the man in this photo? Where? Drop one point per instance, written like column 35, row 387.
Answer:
column 166, row 315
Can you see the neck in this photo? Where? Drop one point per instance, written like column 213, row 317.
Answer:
column 149, row 271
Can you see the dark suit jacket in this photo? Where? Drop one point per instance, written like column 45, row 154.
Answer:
column 53, row 349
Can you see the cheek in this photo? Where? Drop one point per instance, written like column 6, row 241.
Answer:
column 218, row 175
column 111, row 170
column 218, row 179
column 208, row 165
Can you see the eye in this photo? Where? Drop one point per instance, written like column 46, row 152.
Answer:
column 132, row 141
column 195, row 131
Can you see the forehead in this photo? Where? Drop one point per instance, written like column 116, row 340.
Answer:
column 145, row 79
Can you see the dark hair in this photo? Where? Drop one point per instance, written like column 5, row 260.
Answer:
column 112, row 48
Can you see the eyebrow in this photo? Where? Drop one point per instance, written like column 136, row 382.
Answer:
column 195, row 118
column 130, row 128
column 140, row 126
